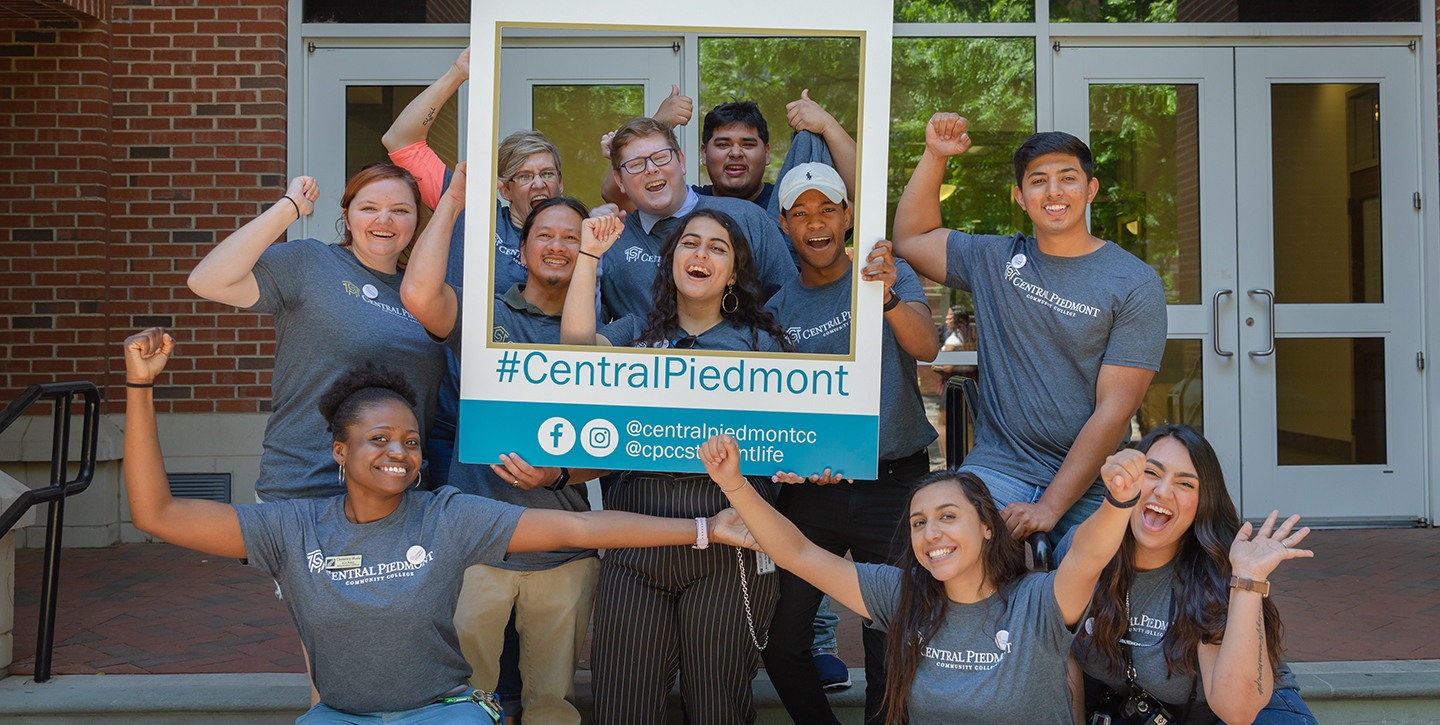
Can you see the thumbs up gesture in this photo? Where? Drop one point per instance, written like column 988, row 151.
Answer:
column 807, row 115
column 676, row 109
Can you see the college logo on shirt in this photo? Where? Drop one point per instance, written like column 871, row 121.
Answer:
column 350, row 287
column 839, row 323
column 368, row 293
column 416, row 558
column 970, row 660
column 1036, row 293
column 500, row 334
column 637, row 254
column 1144, row 625
column 316, row 561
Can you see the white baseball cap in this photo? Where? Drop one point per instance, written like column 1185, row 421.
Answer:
column 808, row 176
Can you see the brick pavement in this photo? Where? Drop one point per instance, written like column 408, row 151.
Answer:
column 154, row 608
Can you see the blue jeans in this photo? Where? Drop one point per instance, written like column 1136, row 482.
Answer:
column 1007, row 489
column 1285, row 708
column 436, row 714
column 824, row 625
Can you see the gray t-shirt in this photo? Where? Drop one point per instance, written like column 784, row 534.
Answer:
column 516, row 320
column 1044, row 326
column 1154, row 597
column 378, row 628
column 817, row 319
column 631, row 263
column 983, row 666
column 725, row 335
column 331, row 313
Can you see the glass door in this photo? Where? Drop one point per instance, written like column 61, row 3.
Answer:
column 352, row 96
column 575, row 95
column 1160, row 122
column 1329, row 284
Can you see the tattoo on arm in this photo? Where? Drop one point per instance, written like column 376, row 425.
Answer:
column 1260, row 662
column 429, row 118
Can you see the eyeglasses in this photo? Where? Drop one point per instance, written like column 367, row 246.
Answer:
column 524, row 178
column 659, row 158
column 685, row 343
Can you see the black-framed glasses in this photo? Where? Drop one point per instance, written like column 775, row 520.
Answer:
column 524, row 178
column 659, row 158
column 685, row 343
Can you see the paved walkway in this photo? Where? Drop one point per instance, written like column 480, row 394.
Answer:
column 1369, row 594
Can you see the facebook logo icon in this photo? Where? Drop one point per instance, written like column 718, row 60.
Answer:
column 556, row 436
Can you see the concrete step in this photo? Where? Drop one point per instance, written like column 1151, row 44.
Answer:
column 1340, row 693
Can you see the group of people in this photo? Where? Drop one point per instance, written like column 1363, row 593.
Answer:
column 423, row 586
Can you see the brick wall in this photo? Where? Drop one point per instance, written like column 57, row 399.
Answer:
column 128, row 148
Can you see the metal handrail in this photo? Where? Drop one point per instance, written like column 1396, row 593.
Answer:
column 961, row 401
column 55, row 494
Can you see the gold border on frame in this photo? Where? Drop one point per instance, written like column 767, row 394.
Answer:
column 857, row 264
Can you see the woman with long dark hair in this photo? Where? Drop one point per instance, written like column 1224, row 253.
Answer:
column 703, row 613
column 706, row 292
column 1186, row 570
column 972, row 636
column 371, row 576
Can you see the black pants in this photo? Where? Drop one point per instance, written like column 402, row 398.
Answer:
column 665, row 610
column 866, row 519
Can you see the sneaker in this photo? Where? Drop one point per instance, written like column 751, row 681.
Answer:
column 834, row 675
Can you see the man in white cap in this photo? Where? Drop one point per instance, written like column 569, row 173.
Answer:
column 839, row 514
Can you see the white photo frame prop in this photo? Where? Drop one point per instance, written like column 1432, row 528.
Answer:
column 646, row 409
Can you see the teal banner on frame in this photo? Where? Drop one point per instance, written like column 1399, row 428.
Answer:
column 635, row 438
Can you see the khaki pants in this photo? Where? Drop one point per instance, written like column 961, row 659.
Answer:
column 552, row 612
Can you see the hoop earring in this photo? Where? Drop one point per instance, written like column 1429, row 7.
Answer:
column 731, row 298
column 342, row 475
column 417, row 480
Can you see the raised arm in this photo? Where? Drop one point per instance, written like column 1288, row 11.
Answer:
column 807, row 115
column 207, row 526
column 577, row 322
column 909, row 321
column 919, row 236
column 1237, row 672
column 423, row 290
column 1118, row 392
column 775, row 534
column 413, row 123
column 1099, row 537
column 226, row 275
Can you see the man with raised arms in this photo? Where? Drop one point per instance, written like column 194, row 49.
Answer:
column 1070, row 327
column 860, row 517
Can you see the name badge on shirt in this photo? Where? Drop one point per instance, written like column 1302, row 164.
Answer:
column 341, row 563
column 764, row 564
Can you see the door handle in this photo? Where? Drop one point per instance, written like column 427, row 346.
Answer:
column 1215, row 320
column 1270, row 296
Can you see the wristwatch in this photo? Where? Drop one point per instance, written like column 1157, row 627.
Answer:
column 1261, row 588
column 893, row 302
column 562, row 481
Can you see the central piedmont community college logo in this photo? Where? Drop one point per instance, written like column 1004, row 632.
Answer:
column 316, row 560
column 634, row 254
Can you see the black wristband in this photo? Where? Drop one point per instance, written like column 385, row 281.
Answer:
column 894, row 301
column 562, row 481
column 1122, row 504
column 129, row 384
column 589, row 255
column 292, row 203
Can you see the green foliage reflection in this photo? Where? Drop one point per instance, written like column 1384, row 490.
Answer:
column 964, row 11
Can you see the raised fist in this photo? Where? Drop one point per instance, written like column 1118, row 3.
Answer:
column 945, row 135
column 304, row 190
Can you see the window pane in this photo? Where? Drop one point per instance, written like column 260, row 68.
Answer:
column 1330, row 400
column 573, row 118
column 1176, row 393
column 369, row 111
column 386, row 11
column 1325, row 141
column 1234, row 11
column 993, row 82
column 772, row 72
column 1147, row 157
column 964, row 11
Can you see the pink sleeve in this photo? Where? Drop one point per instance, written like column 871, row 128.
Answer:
column 427, row 168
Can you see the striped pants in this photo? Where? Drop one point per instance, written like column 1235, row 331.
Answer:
column 665, row 610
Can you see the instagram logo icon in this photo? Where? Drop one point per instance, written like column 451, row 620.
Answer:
column 599, row 437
